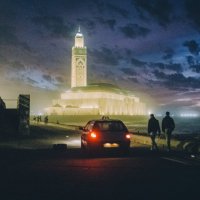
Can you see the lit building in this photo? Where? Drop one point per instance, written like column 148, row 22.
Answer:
column 79, row 62
column 93, row 99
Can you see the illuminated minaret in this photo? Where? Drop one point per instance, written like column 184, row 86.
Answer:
column 79, row 62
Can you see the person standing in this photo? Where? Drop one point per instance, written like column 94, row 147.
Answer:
column 168, row 126
column 153, row 130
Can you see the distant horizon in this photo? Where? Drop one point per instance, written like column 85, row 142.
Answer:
column 134, row 123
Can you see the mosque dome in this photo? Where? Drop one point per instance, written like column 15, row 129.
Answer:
column 100, row 87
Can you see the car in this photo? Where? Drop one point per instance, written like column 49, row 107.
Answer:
column 105, row 133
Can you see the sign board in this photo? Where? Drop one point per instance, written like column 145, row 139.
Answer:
column 23, row 107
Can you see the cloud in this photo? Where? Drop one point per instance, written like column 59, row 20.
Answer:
column 8, row 37
column 193, row 63
column 137, row 63
column 47, row 77
column 195, row 67
column 17, row 65
column 124, row 13
column 160, row 75
column 177, row 81
column 55, row 25
column 190, row 60
column 7, row 11
column 31, row 81
column 128, row 71
column 193, row 60
column 192, row 46
column 104, row 7
column 108, row 22
column 134, row 30
column 128, row 52
column 133, row 79
column 192, row 7
column 3, row 60
column 177, row 67
column 100, row 5
column 88, row 24
column 105, row 56
column 59, row 79
column 168, row 54
column 159, row 10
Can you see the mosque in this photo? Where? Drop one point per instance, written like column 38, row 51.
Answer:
column 93, row 99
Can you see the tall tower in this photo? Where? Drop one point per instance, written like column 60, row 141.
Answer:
column 79, row 62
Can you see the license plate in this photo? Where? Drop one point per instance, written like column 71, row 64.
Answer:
column 110, row 145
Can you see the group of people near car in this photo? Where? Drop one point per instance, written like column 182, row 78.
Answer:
column 168, row 126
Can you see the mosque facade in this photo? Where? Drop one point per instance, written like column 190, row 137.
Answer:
column 93, row 99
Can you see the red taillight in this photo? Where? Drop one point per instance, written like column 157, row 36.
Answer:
column 93, row 135
column 128, row 136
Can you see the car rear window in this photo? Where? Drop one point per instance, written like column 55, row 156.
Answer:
column 110, row 126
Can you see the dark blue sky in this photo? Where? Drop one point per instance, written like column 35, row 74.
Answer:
column 149, row 47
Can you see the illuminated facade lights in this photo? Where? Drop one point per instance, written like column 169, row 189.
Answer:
column 93, row 99
column 79, row 62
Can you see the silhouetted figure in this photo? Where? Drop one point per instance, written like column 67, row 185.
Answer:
column 34, row 118
column 168, row 126
column 38, row 119
column 46, row 119
column 153, row 130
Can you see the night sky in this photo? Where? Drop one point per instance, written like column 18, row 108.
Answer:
column 150, row 47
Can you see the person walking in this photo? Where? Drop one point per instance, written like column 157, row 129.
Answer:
column 153, row 130
column 46, row 119
column 168, row 126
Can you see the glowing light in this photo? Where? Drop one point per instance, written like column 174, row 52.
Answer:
column 89, row 106
column 74, row 142
column 93, row 135
column 191, row 115
column 183, row 99
column 128, row 136
column 149, row 112
column 109, row 145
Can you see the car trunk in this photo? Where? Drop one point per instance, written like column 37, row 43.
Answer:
column 111, row 136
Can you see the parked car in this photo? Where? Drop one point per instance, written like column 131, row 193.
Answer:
column 105, row 133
